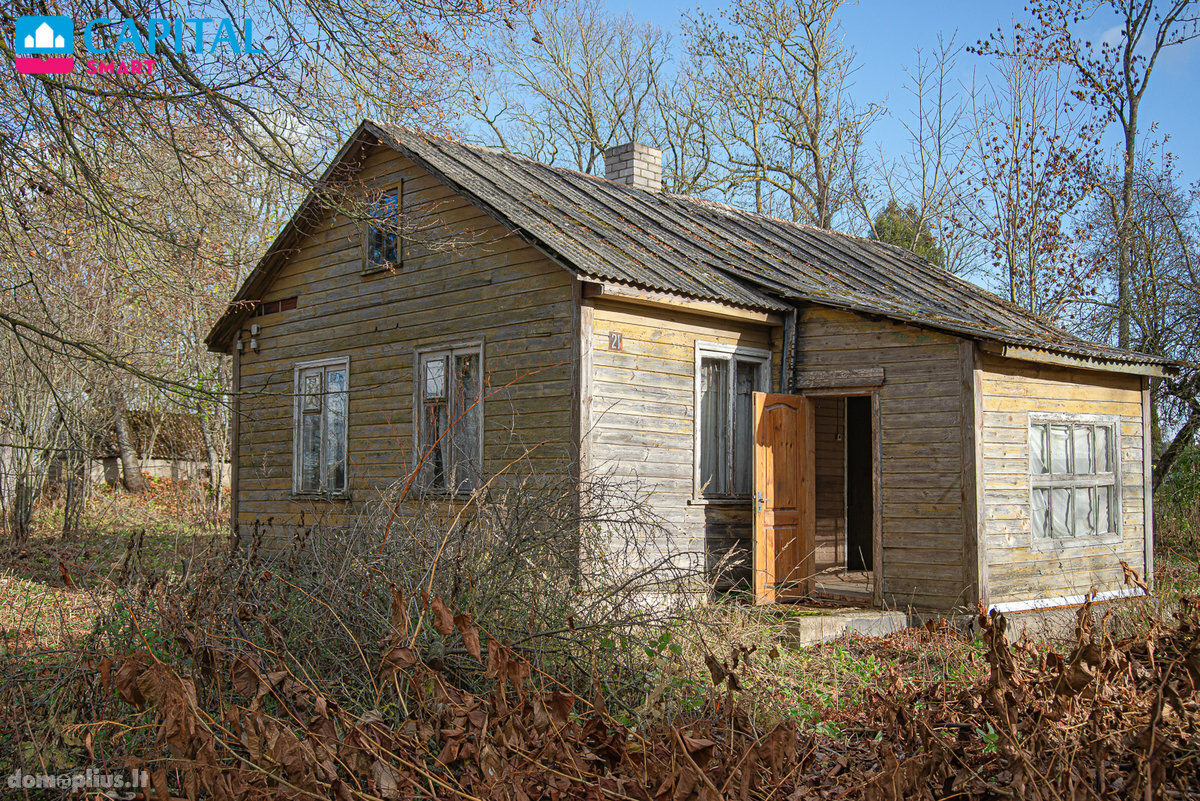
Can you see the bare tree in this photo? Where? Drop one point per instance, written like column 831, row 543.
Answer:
column 571, row 81
column 1113, row 75
column 131, row 204
column 32, row 391
column 925, row 180
column 1163, row 311
column 776, row 74
column 121, row 312
column 1031, row 168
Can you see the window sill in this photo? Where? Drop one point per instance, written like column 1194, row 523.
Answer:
column 434, row 493
column 369, row 272
column 743, row 500
column 319, row 496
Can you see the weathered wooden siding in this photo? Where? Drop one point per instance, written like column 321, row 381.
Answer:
column 489, row 286
column 1017, row 570
column 831, row 482
column 641, row 418
column 921, row 453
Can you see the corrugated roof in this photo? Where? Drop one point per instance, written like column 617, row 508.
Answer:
column 606, row 231
column 603, row 230
column 707, row 250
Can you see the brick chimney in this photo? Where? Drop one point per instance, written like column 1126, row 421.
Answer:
column 634, row 164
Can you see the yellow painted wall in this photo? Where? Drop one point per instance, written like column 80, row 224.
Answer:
column 1018, row 568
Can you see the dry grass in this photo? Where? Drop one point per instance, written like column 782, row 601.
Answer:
column 383, row 641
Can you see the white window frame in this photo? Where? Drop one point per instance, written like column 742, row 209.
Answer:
column 297, row 426
column 368, row 266
column 730, row 353
column 1062, row 480
column 450, row 350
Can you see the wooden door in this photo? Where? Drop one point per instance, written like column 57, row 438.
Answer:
column 784, row 496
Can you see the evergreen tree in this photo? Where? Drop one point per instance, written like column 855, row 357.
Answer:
column 903, row 226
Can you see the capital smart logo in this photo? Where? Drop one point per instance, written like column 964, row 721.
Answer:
column 41, row 44
column 46, row 45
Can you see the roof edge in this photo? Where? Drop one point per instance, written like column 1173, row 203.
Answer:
column 1052, row 357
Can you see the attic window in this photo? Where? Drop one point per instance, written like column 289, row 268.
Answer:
column 382, row 236
column 275, row 306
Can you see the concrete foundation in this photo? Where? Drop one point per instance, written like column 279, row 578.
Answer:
column 817, row 626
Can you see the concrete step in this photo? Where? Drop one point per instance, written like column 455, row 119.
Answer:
column 809, row 627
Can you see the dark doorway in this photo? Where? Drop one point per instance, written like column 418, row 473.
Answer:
column 860, row 500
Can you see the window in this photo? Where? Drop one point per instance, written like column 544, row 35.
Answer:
column 450, row 417
column 726, row 379
column 275, row 306
column 1073, row 467
column 382, row 234
column 320, row 427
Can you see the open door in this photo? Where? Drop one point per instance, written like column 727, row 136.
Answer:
column 784, row 496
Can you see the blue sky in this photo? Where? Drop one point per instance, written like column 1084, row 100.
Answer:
column 885, row 34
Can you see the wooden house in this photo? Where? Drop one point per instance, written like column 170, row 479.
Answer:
column 856, row 421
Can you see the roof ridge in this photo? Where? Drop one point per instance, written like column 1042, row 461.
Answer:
column 508, row 154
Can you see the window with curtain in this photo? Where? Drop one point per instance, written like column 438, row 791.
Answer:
column 320, row 426
column 450, row 418
column 1073, row 469
column 726, row 381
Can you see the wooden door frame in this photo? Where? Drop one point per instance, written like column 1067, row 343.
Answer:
column 876, row 476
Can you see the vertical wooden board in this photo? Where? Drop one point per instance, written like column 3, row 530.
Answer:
column 972, row 542
column 877, row 563
column 584, row 371
column 235, row 428
column 1148, row 487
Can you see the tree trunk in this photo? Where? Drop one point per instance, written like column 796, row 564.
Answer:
column 1181, row 441
column 75, row 473
column 1124, row 229
column 131, row 469
column 214, row 466
column 21, row 511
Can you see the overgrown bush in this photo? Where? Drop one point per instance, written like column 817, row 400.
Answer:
column 1177, row 508
column 524, row 643
column 569, row 587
